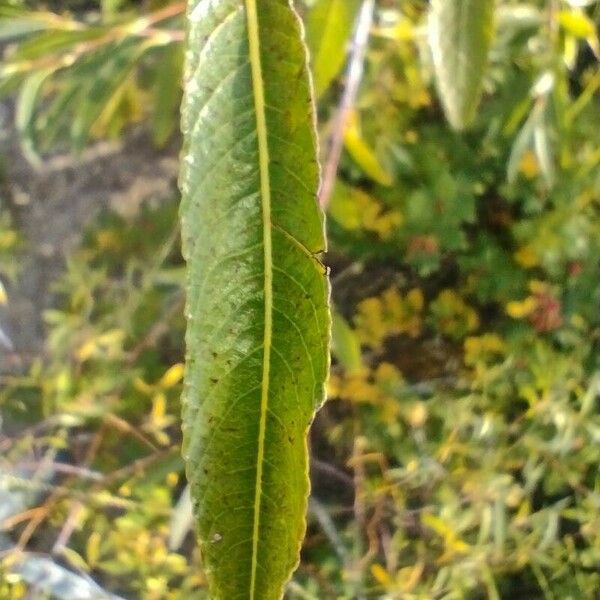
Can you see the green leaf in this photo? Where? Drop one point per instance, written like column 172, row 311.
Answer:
column 521, row 144
column 257, row 307
column 328, row 29
column 460, row 36
column 345, row 344
column 25, row 113
column 363, row 154
column 54, row 43
column 167, row 94
column 105, row 84
column 543, row 151
column 57, row 118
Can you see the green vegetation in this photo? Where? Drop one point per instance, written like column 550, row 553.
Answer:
column 457, row 456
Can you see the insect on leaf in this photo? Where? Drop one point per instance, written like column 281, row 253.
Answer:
column 460, row 36
column 257, row 306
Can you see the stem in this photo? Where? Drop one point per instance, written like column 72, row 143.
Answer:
column 353, row 79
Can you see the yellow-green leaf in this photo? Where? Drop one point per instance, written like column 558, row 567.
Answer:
column 363, row 154
column 328, row 29
column 257, row 306
column 346, row 345
column 577, row 23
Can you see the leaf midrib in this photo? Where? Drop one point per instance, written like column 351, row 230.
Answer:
column 265, row 193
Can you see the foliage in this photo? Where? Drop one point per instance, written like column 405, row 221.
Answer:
column 460, row 35
column 457, row 456
column 91, row 75
column 257, row 295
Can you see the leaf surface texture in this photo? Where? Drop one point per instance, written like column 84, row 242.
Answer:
column 257, row 308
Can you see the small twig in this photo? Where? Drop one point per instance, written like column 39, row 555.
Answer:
column 76, row 507
column 26, row 515
column 38, row 517
column 65, row 469
column 331, row 470
column 359, row 510
column 353, row 79
column 157, row 330
column 372, row 531
column 68, row 528
column 125, row 427
column 137, row 465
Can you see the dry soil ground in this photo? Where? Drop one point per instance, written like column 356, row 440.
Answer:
column 53, row 204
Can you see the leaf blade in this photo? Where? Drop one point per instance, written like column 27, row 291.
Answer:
column 258, row 323
column 460, row 36
column 329, row 28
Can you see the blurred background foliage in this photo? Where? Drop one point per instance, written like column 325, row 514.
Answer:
column 458, row 455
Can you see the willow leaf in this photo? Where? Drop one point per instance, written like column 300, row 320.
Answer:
column 328, row 29
column 257, row 307
column 460, row 36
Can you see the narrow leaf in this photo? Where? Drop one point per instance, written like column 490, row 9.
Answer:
column 167, row 94
column 106, row 83
column 328, row 29
column 543, row 151
column 345, row 344
column 460, row 36
column 27, row 102
column 257, row 307
column 54, row 43
column 182, row 520
column 521, row 144
column 363, row 154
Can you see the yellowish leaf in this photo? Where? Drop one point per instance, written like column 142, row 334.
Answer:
column 577, row 23
column 529, row 165
column 92, row 549
column 354, row 209
column 402, row 31
column 437, row 525
column 409, row 577
column 141, row 386
column 75, row 559
column 521, row 309
column 172, row 376
column 159, row 404
column 86, row 350
column 363, row 154
column 417, row 416
column 526, row 257
column 478, row 347
column 381, row 575
column 453, row 544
